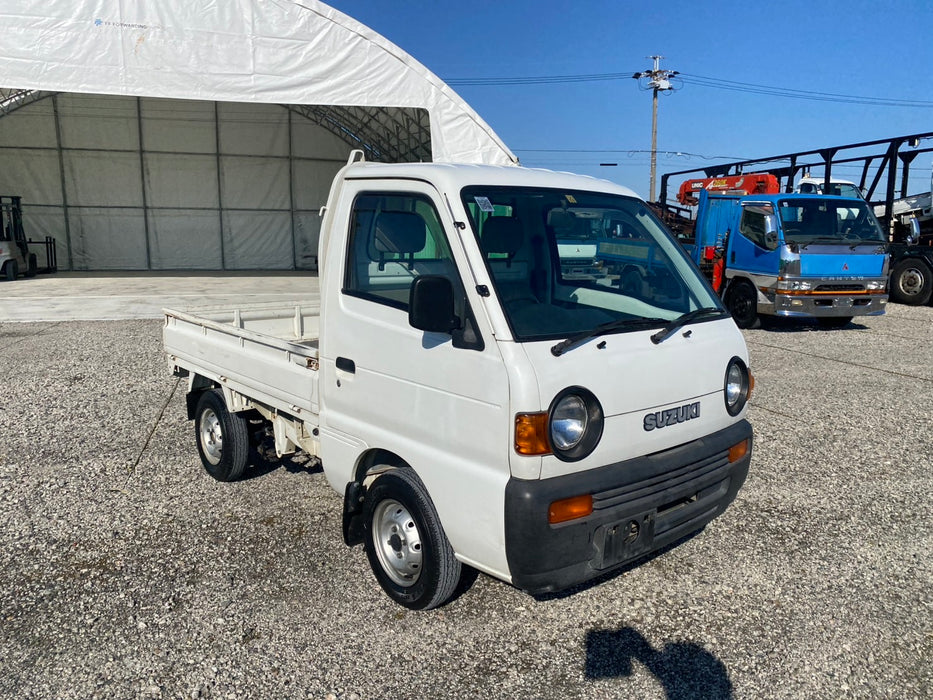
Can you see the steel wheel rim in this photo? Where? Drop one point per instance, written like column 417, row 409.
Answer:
column 212, row 436
column 911, row 282
column 397, row 542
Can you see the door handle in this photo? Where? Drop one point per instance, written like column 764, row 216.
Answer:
column 346, row 364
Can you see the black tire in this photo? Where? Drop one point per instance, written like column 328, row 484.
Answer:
column 834, row 321
column 12, row 270
column 742, row 302
column 405, row 543
column 222, row 437
column 911, row 282
column 32, row 265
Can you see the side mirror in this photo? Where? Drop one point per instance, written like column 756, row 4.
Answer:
column 914, row 234
column 431, row 304
column 771, row 234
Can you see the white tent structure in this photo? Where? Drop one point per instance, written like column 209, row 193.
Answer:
column 193, row 134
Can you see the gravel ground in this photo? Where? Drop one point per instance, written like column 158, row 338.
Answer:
column 127, row 572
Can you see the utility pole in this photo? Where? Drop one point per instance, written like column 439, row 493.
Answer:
column 658, row 81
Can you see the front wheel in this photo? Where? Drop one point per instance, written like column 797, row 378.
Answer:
column 742, row 302
column 405, row 543
column 911, row 282
column 222, row 437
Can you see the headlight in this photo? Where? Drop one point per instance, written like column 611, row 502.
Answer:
column 568, row 422
column 575, row 424
column 794, row 285
column 876, row 285
column 736, row 386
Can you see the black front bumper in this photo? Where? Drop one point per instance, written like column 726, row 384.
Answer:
column 639, row 506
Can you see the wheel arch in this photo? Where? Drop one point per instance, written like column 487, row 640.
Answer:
column 197, row 385
column 371, row 462
column 737, row 279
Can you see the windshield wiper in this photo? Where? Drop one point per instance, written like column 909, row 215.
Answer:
column 866, row 241
column 825, row 240
column 603, row 328
column 683, row 320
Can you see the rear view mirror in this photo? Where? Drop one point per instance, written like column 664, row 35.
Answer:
column 771, row 235
column 431, row 304
column 914, row 234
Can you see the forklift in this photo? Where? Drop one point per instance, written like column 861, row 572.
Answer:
column 15, row 258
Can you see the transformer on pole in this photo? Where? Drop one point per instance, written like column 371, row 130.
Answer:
column 658, row 81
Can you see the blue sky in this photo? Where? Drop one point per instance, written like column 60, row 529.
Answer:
column 858, row 48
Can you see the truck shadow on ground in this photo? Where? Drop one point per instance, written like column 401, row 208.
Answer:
column 263, row 462
column 685, row 670
column 776, row 324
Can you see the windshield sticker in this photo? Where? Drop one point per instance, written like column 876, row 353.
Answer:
column 484, row 204
column 570, row 199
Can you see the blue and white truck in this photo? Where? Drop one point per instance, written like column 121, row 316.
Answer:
column 807, row 256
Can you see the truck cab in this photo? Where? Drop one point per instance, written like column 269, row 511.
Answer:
column 795, row 255
column 837, row 187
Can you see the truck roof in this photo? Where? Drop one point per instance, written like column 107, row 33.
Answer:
column 772, row 198
column 452, row 177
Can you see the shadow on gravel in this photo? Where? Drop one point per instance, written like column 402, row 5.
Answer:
column 778, row 324
column 263, row 463
column 685, row 670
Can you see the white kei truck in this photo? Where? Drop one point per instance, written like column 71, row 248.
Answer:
column 476, row 409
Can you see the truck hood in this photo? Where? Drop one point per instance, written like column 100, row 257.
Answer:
column 842, row 261
column 632, row 378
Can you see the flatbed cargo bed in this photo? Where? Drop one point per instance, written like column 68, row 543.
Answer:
column 266, row 351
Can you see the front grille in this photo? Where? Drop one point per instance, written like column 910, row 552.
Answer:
column 708, row 470
column 840, row 288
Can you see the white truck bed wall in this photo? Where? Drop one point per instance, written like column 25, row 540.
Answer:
column 266, row 351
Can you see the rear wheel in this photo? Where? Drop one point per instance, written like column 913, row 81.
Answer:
column 405, row 543
column 222, row 437
column 911, row 282
column 742, row 302
column 11, row 270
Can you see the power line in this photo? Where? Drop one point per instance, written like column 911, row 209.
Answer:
column 700, row 81
column 540, row 79
column 630, row 151
column 819, row 96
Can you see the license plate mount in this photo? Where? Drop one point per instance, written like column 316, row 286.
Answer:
column 625, row 540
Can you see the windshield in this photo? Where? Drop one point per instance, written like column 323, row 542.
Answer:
column 566, row 262
column 827, row 221
column 845, row 189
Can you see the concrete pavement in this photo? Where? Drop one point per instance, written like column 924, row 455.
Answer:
column 108, row 296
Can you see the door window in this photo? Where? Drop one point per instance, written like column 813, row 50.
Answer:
column 753, row 227
column 394, row 238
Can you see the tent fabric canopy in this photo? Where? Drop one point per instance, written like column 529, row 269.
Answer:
column 192, row 134
column 270, row 51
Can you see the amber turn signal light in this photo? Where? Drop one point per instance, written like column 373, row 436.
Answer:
column 531, row 434
column 737, row 451
column 570, row 509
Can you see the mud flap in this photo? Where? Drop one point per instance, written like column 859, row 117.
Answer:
column 353, row 513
